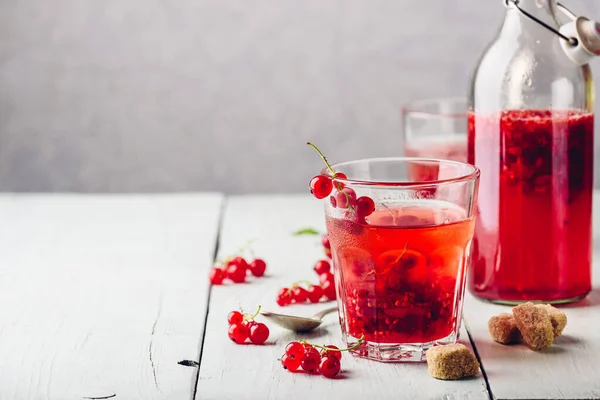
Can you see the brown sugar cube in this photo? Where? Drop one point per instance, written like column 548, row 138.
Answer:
column 503, row 329
column 451, row 361
column 558, row 318
column 534, row 325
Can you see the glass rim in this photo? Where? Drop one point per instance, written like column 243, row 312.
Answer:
column 413, row 108
column 473, row 175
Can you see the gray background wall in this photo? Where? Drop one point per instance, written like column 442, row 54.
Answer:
column 156, row 95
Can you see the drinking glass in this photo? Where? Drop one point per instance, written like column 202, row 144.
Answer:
column 436, row 128
column 400, row 270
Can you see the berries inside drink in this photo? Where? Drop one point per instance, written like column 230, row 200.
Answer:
column 400, row 271
column 534, row 222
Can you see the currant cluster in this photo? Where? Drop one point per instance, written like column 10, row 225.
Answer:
column 322, row 186
column 242, row 328
column 298, row 355
column 313, row 293
column 236, row 270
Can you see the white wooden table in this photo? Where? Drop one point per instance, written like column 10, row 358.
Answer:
column 102, row 296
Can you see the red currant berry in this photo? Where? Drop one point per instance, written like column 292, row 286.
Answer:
column 239, row 261
column 333, row 201
column 321, row 186
column 290, row 363
column 235, row 317
column 300, row 294
column 284, row 297
column 329, row 290
column 216, row 276
column 326, row 277
column 329, row 367
column 259, row 333
column 345, row 198
column 335, row 354
column 314, row 294
column 295, row 350
column 236, row 273
column 339, row 175
column 325, row 241
column 238, row 333
column 365, row 206
column 258, row 267
column 311, row 360
column 322, row 266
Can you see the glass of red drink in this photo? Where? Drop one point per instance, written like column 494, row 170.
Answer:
column 400, row 270
column 435, row 128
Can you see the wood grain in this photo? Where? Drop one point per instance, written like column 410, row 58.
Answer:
column 230, row 371
column 569, row 369
column 103, row 295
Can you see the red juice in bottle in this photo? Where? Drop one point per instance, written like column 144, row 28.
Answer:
column 401, row 271
column 534, row 220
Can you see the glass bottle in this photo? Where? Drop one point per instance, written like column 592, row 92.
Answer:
column 531, row 133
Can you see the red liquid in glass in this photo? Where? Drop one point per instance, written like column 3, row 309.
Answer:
column 534, row 222
column 401, row 272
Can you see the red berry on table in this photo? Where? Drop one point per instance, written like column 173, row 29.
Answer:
column 299, row 294
column 258, row 267
column 326, row 277
column 325, row 242
column 329, row 290
column 236, row 273
column 290, row 363
column 238, row 333
column 365, row 206
column 311, row 360
column 334, row 353
column 345, row 198
column 235, row 317
column 322, row 266
column 239, row 261
column 295, row 350
column 329, row 367
column 284, row 297
column 315, row 293
column 216, row 276
column 321, row 186
column 259, row 333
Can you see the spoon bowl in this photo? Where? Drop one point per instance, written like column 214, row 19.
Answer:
column 298, row 324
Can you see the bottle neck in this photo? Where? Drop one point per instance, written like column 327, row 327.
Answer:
column 517, row 23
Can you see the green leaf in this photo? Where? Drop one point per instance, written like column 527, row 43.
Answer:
column 306, row 231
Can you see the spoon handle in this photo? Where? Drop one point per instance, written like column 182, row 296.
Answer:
column 323, row 313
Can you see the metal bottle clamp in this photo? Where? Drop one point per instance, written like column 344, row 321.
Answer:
column 580, row 37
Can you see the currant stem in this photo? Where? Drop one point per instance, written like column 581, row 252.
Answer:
column 323, row 157
column 240, row 251
column 251, row 318
column 362, row 339
column 297, row 283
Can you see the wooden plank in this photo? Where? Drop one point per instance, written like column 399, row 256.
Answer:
column 230, row 371
column 568, row 370
column 103, row 295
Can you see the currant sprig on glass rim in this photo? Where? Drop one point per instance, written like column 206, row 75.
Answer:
column 322, row 185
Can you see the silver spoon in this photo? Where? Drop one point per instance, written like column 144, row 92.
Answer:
column 298, row 324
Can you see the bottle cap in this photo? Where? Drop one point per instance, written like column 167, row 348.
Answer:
column 587, row 33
